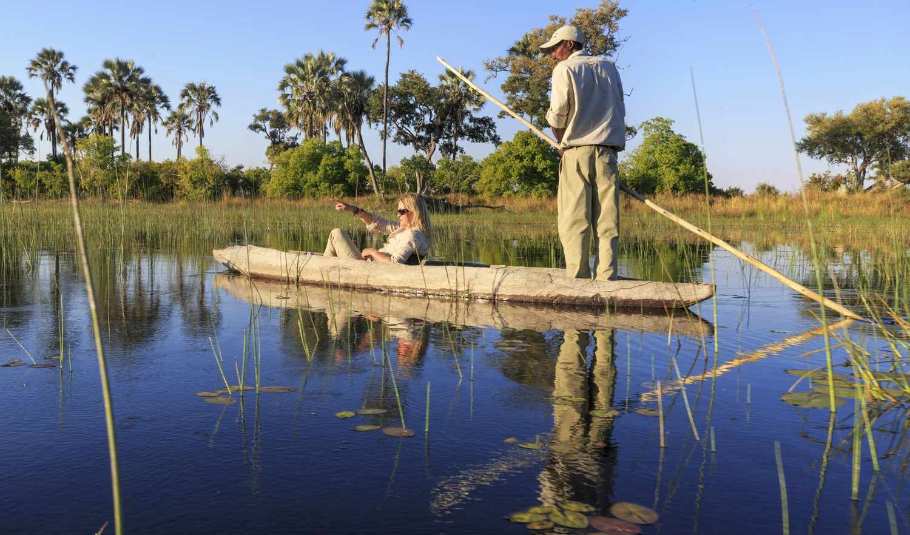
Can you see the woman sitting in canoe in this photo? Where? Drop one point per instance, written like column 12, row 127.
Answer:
column 409, row 236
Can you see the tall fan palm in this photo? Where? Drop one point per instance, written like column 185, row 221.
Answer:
column 458, row 98
column 117, row 85
column 15, row 103
column 178, row 124
column 80, row 129
column 199, row 101
column 308, row 91
column 50, row 66
column 387, row 16
column 155, row 102
column 355, row 89
column 98, row 108
column 41, row 115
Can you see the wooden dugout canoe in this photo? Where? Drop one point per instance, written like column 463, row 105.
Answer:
column 347, row 304
column 490, row 283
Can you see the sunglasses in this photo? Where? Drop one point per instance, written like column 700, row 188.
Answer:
column 402, row 211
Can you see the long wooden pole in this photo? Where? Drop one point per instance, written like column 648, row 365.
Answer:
column 676, row 219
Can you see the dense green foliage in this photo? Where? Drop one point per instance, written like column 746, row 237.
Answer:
column 525, row 166
column 317, row 169
column 527, row 71
column 665, row 162
column 876, row 132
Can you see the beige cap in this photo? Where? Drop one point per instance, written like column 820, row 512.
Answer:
column 566, row 33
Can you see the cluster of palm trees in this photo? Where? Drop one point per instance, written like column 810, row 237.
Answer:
column 118, row 97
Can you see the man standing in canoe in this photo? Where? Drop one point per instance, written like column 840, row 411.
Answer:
column 587, row 114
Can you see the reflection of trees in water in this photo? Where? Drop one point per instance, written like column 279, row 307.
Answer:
column 199, row 310
column 661, row 261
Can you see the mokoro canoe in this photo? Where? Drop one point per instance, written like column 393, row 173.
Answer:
column 343, row 305
column 492, row 283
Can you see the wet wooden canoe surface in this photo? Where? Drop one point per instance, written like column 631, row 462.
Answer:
column 493, row 283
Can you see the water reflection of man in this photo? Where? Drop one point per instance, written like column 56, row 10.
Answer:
column 580, row 466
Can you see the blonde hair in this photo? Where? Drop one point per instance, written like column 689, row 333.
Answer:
column 421, row 219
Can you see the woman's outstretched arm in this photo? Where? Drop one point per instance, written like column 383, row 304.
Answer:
column 364, row 216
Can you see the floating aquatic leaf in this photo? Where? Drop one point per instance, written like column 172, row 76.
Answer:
column 540, row 524
column 220, row 400
column 525, row 517
column 809, row 400
column 611, row 526
column 15, row 361
column 398, row 432
column 897, row 378
column 12, row 365
column 543, row 510
column 644, row 411
column 604, row 413
column 365, row 427
column 237, row 388
column 631, row 512
column 208, row 394
column 529, row 445
column 578, row 507
column 569, row 519
column 277, row 389
column 821, row 376
column 372, row 411
column 41, row 366
column 511, row 440
column 345, row 414
column 51, row 357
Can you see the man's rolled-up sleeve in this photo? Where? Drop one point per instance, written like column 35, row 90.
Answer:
column 558, row 114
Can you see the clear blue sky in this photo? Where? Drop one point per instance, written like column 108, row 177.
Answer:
column 834, row 54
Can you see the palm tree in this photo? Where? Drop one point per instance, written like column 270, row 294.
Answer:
column 387, row 16
column 41, row 115
column 199, row 100
column 458, row 98
column 179, row 124
column 79, row 130
column 308, row 92
column 96, row 101
column 52, row 69
column 116, row 86
column 355, row 90
column 15, row 103
column 155, row 101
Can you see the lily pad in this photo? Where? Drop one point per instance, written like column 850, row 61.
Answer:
column 345, row 414
column 543, row 510
column 644, row 411
column 821, row 376
column 525, row 517
column 220, row 400
column 540, row 524
column 51, row 357
column 277, row 389
column 604, row 413
column 41, row 366
column 578, row 507
column 511, row 440
column 809, row 400
column 237, row 388
column 634, row 513
column 208, row 394
column 371, row 411
column 529, row 445
column 611, row 526
column 365, row 427
column 569, row 519
column 12, row 364
column 398, row 431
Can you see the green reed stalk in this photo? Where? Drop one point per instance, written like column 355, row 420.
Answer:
column 857, row 450
column 660, row 413
column 785, row 510
column 685, row 399
column 23, row 347
column 394, row 386
column 701, row 136
column 816, row 260
column 96, row 325
column 220, row 369
column 892, row 519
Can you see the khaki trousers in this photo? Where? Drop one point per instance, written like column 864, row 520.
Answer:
column 341, row 245
column 588, row 197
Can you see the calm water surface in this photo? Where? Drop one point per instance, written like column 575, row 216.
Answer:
column 284, row 463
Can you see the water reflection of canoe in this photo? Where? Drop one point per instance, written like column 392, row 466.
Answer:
column 493, row 283
column 500, row 315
